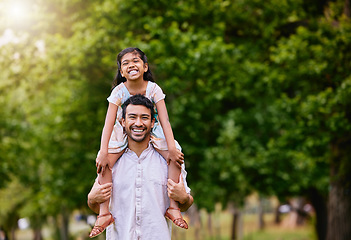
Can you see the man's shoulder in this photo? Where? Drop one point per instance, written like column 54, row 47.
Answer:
column 154, row 153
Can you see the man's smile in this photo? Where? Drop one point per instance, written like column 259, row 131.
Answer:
column 138, row 130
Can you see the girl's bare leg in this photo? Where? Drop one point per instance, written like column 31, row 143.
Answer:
column 173, row 173
column 106, row 178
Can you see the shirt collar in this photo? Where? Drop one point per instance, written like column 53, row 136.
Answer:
column 144, row 153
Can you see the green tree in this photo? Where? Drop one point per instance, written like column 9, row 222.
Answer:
column 257, row 92
column 294, row 126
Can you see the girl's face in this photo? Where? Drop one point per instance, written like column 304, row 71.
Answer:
column 132, row 67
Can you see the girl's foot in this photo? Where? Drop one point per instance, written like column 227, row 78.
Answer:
column 175, row 216
column 102, row 222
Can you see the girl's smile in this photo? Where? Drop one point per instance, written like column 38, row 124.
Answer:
column 132, row 67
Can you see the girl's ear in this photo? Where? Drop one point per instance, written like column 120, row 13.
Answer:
column 146, row 67
column 120, row 71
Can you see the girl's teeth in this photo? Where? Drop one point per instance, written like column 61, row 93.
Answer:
column 132, row 72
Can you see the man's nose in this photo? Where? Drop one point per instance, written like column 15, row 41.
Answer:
column 138, row 121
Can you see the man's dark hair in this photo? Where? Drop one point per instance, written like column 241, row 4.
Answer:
column 138, row 99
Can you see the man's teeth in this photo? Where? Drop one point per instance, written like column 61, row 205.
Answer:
column 138, row 130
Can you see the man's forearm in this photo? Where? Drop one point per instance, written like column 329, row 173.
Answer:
column 184, row 206
column 93, row 205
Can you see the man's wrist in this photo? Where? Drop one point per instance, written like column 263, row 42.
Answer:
column 186, row 199
column 90, row 201
column 103, row 151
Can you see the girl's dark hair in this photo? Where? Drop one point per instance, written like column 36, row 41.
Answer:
column 118, row 78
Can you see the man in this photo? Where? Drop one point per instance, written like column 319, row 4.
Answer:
column 140, row 189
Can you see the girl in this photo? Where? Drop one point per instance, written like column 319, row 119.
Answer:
column 134, row 77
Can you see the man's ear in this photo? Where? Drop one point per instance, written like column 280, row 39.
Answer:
column 152, row 123
column 123, row 123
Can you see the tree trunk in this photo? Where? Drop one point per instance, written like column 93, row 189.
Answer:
column 195, row 221
column 37, row 234
column 235, row 225
column 319, row 204
column 339, row 213
column 13, row 233
column 209, row 225
column 301, row 214
column 217, row 222
column 64, row 226
column 347, row 8
column 61, row 225
column 260, row 214
column 339, row 205
column 36, row 222
column 277, row 214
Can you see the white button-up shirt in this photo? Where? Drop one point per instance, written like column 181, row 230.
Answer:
column 139, row 197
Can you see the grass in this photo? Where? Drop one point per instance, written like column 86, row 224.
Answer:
column 218, row 229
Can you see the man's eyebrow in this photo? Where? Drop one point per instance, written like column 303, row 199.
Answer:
column 135, row 114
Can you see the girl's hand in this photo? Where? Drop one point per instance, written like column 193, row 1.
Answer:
column 175, row 155
column 102, row 162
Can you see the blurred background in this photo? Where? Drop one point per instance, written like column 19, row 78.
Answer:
column 258, row 93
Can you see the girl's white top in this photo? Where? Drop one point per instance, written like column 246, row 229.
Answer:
column 119, row 95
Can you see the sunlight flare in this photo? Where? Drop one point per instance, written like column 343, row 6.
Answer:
column 16, row 12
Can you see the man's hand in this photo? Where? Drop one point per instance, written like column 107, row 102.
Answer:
column 100, row 193
column 176, row 191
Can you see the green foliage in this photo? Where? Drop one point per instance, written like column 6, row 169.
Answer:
column 258, row 93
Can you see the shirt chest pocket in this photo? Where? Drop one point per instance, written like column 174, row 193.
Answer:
column 158, row 175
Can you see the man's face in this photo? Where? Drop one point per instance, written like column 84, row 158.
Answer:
column 138, row 123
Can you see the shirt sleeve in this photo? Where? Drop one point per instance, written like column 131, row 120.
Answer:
column 157, row 94
column 184, row 173
column 115, row 96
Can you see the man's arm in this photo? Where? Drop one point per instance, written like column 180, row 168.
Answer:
column 177, row 192
column 184, row 206
column 99, row 194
